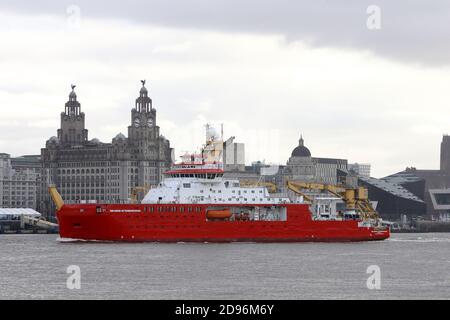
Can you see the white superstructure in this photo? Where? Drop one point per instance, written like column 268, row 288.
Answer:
column 204, row 183
column 199, row 179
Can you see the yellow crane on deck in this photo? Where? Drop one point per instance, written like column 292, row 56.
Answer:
column 355, row 199
column 271, row 187
column 135, row 192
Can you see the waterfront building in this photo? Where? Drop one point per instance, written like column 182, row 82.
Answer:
column 301, row 166
column 360, row 169
column 393, row 200
column 445, row 154
column 233, row 156
column 440, row 199
column 423, row 182
column 19, row 181
column 90, row 170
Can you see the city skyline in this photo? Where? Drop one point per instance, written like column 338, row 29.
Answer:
column 361, row 97
column 198, row 143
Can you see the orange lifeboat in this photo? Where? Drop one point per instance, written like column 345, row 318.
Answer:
column 218, row 214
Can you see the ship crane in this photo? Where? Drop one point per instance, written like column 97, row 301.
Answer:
column 135, row 192
column 271, row 187
column 355, row 199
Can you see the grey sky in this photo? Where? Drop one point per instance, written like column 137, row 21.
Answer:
column 269, row 70
column 413, row 30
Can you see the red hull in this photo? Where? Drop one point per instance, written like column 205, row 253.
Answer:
column 170, row 223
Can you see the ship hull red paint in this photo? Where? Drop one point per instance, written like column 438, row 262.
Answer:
column 188, row 223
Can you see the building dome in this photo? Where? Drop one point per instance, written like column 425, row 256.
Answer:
column 54, row 139
column 301, row 150
column 95, row 140
column 120, row 136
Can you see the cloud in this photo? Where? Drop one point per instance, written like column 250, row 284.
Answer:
column 413, row 31
column 264, row 87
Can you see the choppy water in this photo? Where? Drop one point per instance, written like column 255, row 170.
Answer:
column 412, row 266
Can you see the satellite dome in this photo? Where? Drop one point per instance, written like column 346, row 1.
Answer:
column 211, row 133
column 54, row 139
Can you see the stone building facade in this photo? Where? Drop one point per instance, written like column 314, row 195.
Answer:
column 19, row 181
column 233, row 156
column 92, row 171
column 360, row 169
column 301, row 166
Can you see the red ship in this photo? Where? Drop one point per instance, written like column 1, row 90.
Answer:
column 189, row 223
column 195, row 203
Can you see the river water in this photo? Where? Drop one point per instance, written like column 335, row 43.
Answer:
column 411, row 266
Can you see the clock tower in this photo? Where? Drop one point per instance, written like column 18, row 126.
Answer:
column 143, row 132
column 72, row 131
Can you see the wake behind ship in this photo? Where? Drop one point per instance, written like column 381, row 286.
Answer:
column 195, row 203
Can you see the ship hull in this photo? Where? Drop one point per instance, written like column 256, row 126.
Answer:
column 170, row 223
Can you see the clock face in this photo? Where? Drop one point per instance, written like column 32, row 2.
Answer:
column 137, row 122
column 150, row 122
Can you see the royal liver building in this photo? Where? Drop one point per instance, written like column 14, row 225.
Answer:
column 89, row 170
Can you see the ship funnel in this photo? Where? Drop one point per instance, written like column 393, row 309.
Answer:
column 56, row 197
